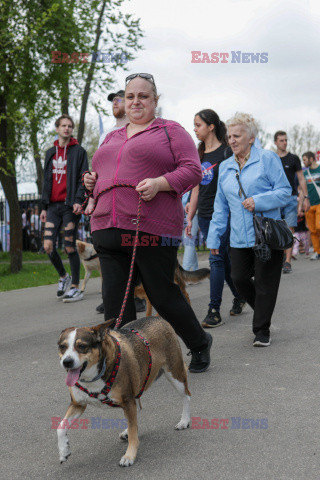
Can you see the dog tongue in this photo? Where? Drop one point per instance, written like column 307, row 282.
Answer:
column 72, row 376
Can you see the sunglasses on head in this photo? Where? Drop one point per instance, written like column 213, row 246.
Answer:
column 146, row 76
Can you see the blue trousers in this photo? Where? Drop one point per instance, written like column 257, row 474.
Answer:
column 220, row 266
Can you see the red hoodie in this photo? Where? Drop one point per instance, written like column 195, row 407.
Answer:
column 59, row 171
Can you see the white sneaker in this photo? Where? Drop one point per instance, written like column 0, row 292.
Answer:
column 74, row 295
column 63, row 286
column 315, row 256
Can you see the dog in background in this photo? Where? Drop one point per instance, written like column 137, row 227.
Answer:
column 114, row 367
column 181, row 278
column 90, row 261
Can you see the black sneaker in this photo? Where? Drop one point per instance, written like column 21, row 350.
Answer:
column 63, row 286
column 100, row 308
column 200, row 361
column 213, row 319
column 262, row 341
column 237, row 306
column 140, row 304
column 287, row 267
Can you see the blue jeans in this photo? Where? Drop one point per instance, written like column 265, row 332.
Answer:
column 190, row 258
column 220, row 266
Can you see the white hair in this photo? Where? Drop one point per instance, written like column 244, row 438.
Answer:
column 246, row 120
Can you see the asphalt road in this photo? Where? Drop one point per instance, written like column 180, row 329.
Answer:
column 274, row 391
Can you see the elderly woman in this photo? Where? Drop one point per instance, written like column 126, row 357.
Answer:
column 160, row 158
column 263, row 180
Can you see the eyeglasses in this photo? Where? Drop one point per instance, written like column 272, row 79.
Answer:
column 146, row 76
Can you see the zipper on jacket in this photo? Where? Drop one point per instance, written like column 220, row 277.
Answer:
column 118, row 165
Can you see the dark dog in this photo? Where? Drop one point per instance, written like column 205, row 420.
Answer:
column 115, row 366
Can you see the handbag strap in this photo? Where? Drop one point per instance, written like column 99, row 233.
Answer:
column 243, row 192
column 314, row 183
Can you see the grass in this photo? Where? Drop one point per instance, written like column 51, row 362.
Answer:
column 32, row 274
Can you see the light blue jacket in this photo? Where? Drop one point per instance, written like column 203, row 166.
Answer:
column 262, row 178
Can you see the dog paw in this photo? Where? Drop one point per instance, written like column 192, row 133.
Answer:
column 64, row 449
column 126, row 461
column 124, row 436
column 182, row 425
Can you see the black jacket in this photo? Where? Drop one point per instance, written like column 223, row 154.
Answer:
column 77, row 163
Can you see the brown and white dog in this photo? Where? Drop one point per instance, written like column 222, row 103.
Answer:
column 89, row 259
column 93, row 356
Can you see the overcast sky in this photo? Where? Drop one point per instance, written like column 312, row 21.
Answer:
column 280, row 93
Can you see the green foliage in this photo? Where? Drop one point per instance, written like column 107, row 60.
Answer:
column 32, row 275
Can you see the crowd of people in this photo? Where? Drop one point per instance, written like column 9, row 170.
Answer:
column 222, row 184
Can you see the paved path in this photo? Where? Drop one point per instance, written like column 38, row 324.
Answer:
column 279, row 383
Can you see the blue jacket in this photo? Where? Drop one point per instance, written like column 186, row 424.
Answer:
column 262, row 178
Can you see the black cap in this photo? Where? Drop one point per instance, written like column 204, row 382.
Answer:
column 118, row 94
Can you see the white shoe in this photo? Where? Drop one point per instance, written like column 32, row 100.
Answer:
column 74, row 295
column 63, row 286
column 315, row 256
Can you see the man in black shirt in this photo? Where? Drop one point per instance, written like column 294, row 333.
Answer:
column 292, row 167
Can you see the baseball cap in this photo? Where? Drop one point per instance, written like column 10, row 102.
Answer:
column 111, row 96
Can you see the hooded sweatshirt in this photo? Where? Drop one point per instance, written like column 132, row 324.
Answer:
column 59, row 171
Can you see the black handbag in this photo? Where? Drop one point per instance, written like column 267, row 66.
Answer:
column 270, row 234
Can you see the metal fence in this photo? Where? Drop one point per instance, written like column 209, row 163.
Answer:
column 32, row 228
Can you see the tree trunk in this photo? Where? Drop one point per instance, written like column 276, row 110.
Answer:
column 87, row 87
column 36, row 154
column 65, row 96
column 9, row 184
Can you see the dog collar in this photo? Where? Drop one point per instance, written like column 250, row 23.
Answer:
column 106, row 389
column 104, row 366
column 91, row 258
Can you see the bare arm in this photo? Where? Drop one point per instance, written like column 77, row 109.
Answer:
column 304, row 188
column 192, row 208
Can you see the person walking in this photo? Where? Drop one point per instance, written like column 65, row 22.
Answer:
column 292, row 168
column 263, row 180
column 62, row 198
column 211, row 132
column 312, row 176
column 159, row 157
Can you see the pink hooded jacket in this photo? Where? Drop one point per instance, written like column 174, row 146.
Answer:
column 147, row 154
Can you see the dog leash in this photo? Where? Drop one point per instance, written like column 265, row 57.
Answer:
column 128, row 185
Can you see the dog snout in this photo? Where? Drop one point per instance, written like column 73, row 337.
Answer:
column 68, row 362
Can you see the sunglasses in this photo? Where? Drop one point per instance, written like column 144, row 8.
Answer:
column 146, row 76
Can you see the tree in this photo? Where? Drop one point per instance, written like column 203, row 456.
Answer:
column 33, row 89
column 303, row 138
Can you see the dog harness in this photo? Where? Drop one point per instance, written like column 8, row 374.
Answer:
column 109, row 383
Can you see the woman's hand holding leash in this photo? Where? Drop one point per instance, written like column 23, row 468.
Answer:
column 148, row 188
column 90, row 180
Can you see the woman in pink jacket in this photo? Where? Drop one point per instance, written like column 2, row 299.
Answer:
column 160, row 158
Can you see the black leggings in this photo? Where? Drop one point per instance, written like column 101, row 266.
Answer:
column 60, row 214
column 260, row 293
column 156, row 264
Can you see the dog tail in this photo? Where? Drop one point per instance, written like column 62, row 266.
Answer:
column 195, row 275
